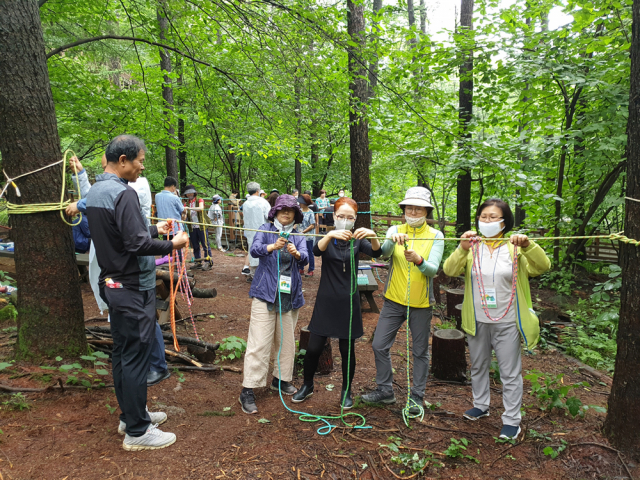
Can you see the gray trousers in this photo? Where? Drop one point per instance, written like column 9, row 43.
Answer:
column 391, row 318
column 504, row 338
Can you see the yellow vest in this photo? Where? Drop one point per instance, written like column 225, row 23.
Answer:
column 396, row 290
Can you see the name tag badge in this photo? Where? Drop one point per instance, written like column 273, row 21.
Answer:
column 490, row 297
column 285, row 284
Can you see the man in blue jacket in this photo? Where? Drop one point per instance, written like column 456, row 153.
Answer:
column 125, row 251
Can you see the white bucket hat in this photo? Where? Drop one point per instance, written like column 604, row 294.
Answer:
column 417, row 196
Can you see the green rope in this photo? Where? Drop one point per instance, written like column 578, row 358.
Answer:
column 27, row 208
column 613, row 236
column 309, row 417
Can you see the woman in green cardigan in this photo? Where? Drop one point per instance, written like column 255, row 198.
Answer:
column 505, row 315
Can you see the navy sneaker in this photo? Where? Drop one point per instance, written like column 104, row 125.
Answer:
column 509, row 432
column 475, row 414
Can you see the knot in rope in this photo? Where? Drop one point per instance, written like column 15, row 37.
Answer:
column 622, row 238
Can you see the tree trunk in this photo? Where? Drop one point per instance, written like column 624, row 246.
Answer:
column 375, row 61
column 623, row 417
column 423, row 17
column 182, row 151
column 50, row 313
column 465, row 102
column 298, row 164
column 358, row 123
column 171, row 159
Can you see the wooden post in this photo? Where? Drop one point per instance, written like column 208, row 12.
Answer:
column 388, row 220
column 448, row 361
column 325, row 364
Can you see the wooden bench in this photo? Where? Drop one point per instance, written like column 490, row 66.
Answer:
column 368, row 289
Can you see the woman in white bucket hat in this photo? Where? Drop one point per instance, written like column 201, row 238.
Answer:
column 423, row 258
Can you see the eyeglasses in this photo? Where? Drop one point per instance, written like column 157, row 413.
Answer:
column 489, row 219
column 342, row 217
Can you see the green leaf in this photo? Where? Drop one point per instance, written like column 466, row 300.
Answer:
column 58, row 359
column 573, row 405
column 89, row 358
column 263, row 420
column 101, row 371
column 4, row 365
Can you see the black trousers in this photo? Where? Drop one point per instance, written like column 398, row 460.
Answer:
column 133, row 324
column 197, row 239
column 312, row 356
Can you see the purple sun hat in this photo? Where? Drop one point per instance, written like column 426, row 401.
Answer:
column 286, row 201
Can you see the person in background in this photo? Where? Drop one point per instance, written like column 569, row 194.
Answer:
column 196, row 233
column 295, row 193
column 125, row 251
column 277, row 299
column 273, row 196
column 314, row 208
column 421, row 259
column 217, row 219
column 255, row 211
column 234, row 216
column 341, row 193
column 263, row 194
column 338, row 299
column 322, row 202
column 81, row 234
column 169, row 206
column 502, row 320
column 328, row 213
column 307, row 226
column 158, row 369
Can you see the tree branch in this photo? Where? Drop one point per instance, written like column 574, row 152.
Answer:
column 77, row 43
column 41, row 3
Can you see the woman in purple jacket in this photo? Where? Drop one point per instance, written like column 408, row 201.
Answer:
column 281, row 259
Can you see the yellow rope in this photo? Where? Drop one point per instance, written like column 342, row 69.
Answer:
column 22, row 209
column 613, row 236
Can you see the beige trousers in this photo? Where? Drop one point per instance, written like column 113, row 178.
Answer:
column 264, row 342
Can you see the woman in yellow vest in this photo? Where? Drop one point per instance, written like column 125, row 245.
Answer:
column 494, row 313
column 422, row 256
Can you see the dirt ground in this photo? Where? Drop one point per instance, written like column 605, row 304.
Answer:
column 72, row 434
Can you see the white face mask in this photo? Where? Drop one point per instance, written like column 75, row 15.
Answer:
column 415, row 222
column 283, row 228
column 341, row 194
column 344, row 224
column 490, row 229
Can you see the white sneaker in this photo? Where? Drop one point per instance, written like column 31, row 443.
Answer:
column 153, row 439
column 157, row 418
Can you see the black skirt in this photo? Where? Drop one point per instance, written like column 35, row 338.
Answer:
column 332, row 311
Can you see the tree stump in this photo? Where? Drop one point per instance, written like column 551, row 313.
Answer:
column 448, row 361
column 454, row 297
column 325, row 364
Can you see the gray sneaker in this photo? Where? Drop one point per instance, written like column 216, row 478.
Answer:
column 157, row 418
column 379, row 396
column 153, row 439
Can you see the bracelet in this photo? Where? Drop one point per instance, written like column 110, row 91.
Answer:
column 421, row 262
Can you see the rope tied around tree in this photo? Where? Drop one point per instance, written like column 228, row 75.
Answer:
column 23, row 209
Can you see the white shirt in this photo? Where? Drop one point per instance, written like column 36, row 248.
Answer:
column 141, row 186
column 497, row 273
column 255, row 211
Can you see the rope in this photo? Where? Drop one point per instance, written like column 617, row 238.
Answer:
column 477, row 271
column 406, row 414
column 613, row 236
column 27, row 208
column 632, row 199
column 308, row 417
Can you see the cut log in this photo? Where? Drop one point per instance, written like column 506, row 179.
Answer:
column 162, row 290
column 164, row 275
column 448, row 361
column 204, row 292
column 206, row 368
column 454, row 297
column 325, row 364
column 204, row 354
